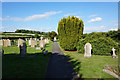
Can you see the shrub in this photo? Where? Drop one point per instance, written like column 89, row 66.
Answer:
column 70, row 30
column 101, row 45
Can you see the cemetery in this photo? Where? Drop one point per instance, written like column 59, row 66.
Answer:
column 77, row 49
column 90, row 56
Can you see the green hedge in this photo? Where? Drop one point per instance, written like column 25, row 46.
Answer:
column 70, row 30
column 101, row 45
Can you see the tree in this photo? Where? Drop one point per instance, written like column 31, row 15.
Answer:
column 36, row 36
column 70, row 31
column 52, row 35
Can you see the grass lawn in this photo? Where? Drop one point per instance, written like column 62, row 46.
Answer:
column 31, row 66
column 91, row 67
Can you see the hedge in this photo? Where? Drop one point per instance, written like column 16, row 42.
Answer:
column 100, row 45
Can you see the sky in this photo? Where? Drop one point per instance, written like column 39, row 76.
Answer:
column 44, row 16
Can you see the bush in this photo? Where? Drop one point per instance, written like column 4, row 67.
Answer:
column 101, row 45
column 70, row 30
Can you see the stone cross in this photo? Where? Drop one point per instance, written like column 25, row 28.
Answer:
column 41, row 38
column 87, row 48
column 114, row 55
column 23, row 49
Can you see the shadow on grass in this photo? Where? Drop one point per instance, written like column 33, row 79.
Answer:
column 76, row 66
column 30, row 66
column 60, row 66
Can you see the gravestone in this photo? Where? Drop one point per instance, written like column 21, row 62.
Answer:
column 1, row 52
column 9, row 42
column 54, row 38
column 114, row 55
column 41, row 38
column 32, row 43
column 1, row 42
column 26, row 39
column 35, row 42
column 12, row 42
column 23, row 49
column 47, row 40
column 20, row 41
column 44, row 43
column 87, row 48
column 37, row 39
column 41, row 44
column 5, row 43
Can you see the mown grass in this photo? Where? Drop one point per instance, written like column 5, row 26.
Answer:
column 31, row 66
column 91, row 67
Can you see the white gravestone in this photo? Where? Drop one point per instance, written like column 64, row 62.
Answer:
column 87, row 48
column 30, row 41
column 5, row 43
column 47, row 40
column 114, row 55
column 54, row 38
column 41, row 44
column 20, row 41
column 1, row 42
column 9, row 42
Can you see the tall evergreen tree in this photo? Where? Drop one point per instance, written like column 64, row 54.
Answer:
column 70, row 30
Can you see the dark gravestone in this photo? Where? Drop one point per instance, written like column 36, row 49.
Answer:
column 23, row 48
column 12, row 42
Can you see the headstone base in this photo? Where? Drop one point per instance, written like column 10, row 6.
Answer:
column 114, row 56
column 87, row 56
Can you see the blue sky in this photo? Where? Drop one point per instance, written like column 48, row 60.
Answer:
column 97, row 16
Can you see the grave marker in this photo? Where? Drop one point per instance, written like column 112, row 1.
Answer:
column 87, row 48
column 114, row 55
column 1, row 42
column 23, row 49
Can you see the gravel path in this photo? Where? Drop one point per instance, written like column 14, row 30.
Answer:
column 58, row 66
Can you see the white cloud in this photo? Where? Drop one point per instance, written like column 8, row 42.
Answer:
column 113, row 29
column 70, row 14
column 92, row 15
column 95, row 19
column 33, row 17
column 2, row 27
column 95, row 29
